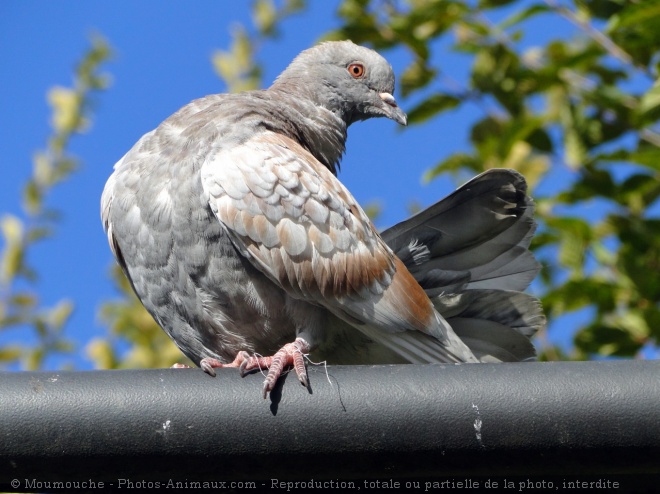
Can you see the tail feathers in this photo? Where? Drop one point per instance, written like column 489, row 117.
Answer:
column 494, row 342
column 495, row 324
column 478, row 237
column 513, row 270
column 479, row 210
column 416, row 347
column 519, row 234
column 520, row 311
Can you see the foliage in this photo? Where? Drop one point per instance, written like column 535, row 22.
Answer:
column 237, row 66
column 585, row 106
column 20, row 308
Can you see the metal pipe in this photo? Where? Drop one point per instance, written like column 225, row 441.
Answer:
column 393, row 423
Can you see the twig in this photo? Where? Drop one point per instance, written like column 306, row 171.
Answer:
column 603, row 40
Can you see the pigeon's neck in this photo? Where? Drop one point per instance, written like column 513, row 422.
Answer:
column 321, row 131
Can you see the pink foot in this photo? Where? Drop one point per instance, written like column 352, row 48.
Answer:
column 291, row 354
column 209, row 364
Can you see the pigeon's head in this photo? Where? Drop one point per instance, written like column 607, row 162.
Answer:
column 350, row 80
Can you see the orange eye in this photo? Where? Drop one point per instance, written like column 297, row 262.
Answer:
column 356, row 70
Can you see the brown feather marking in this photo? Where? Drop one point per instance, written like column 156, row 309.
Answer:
column 277, row 264
column 351, row 255
column 367, row 276
column 325, row 281
column 308, row 281
column 406, row 293
column 339, row 275
column 290, row 269
column 351, row 288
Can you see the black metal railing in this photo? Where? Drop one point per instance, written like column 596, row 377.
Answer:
column 554, row 422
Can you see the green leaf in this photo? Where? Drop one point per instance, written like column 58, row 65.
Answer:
column 432, row 106
column 638, row 256
column 265, row 16
column 607, row 340
column 236, row 67
column 66, row 104
column 23, row 300
column 576, row 294
column 10, row 353
column 32, row 197
column 591, row 183
column 59, row 315
column 604, row 9
column 451, row 164
column 574, row 235
column 522, row 15
column 639, row 191
column 416, row 76
column 635, row 15
column 489, row 4
column 649, row 105
column 575, row 152
column 11, row 261
column 645, row 155
column 635, row 30
column 294, row 6
column 35, row 234
column 540, row 139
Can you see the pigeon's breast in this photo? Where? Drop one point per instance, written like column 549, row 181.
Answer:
column 179, row 259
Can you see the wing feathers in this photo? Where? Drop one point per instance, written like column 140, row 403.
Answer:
column 290, row 215
column 292, row 236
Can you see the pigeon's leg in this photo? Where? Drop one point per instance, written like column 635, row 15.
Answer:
column 291, row 354
column 209, row 364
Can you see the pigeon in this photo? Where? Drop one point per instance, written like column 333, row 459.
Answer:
column 236, row 235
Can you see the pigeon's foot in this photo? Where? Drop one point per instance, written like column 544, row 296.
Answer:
column 209, row 364
column 290, row 355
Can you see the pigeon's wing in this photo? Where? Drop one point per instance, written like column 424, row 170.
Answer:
column 292, row 218
column 295, row 221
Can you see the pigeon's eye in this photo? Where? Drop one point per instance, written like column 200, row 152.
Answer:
column 356, row 70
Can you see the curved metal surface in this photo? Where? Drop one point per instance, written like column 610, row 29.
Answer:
column 394, row 422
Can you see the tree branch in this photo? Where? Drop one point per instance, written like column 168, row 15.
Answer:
column 608, row 45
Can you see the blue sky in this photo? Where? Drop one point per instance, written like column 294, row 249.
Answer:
column 162, row 61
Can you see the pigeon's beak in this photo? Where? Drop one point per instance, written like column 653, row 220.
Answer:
column 392, row 110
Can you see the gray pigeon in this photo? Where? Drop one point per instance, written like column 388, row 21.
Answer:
column 238, row 238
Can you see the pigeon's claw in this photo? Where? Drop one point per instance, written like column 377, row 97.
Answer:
column 180, row 366
column 209, row 364
column 290, row 355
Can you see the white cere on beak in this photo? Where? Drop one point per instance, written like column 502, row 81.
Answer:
column 388, row 98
